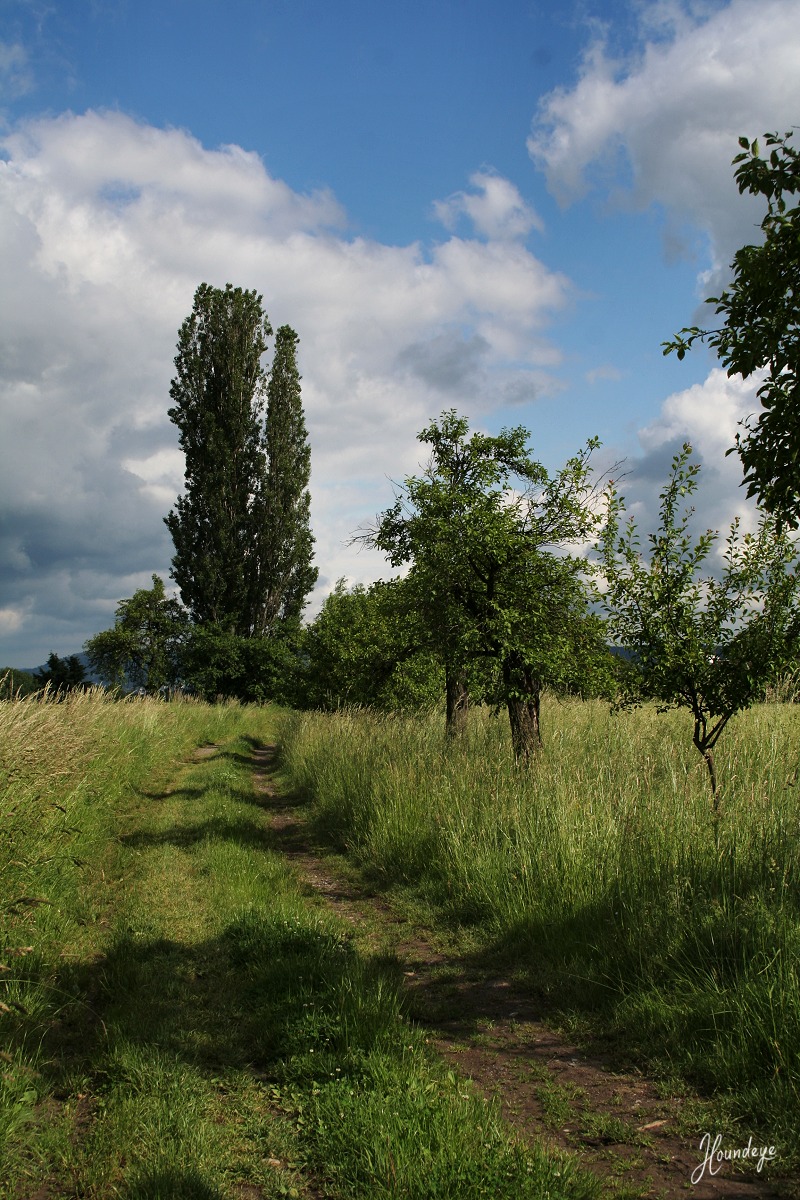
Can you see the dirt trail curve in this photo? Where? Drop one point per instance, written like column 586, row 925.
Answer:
column 619, row 1125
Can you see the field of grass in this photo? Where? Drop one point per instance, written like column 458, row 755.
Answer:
column 602, row 873
column 179, row 1018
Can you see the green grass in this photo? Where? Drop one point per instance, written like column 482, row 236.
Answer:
column 601, row 873
column 194, row 1025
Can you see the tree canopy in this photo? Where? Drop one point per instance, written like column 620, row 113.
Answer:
column 709, row 643
column 144, row 649
column 367, row 646
column 761, row 327
column 61, row 674
column 16, row 684
column 479, row 529
column 241, row 535
column 285, row 562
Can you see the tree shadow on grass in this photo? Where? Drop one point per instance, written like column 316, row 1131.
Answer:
column 263, row 756
column 185, row 793
column 260, row 752
column 242, row 832
column 276, row 997
column 281, row 994
column 640, row 983
column 172, row 1183
column 237, row 795
column 270, row 987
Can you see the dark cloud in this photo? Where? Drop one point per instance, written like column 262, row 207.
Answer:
column 653, row 467
column 448, row 362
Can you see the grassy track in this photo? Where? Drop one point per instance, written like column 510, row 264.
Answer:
column 187, row 1022
column 602, row 873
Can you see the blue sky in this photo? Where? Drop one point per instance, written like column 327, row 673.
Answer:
column 501, row 207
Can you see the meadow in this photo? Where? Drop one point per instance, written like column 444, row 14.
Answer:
column 179, row 1018
column 602, row 875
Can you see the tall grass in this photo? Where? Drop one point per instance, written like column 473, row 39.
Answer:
column 64, row 764
column 602, row 870
column 238, row 1041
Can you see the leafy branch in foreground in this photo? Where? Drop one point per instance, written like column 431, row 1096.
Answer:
column 708, row 643
column 761, row 327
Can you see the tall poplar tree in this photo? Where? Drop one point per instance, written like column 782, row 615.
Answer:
column 286, row 571
column 231, row 537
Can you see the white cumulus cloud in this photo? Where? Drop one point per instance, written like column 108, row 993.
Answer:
column 708, row 415
column 107, row 226
column 495, row 208
column 658, row 128
column 661, row 126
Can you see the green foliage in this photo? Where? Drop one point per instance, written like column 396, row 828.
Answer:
column 761, row 327
column 62, row 674
column 478, row 528
column 591, row 670
column 14, row 683
column 251, row 669
column 366, row 647
column 218, row 398
column 145, row 647
column 710, row 644
column 242, row 543
column 288, row 545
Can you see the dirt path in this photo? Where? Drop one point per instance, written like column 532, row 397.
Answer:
column 618, row 1123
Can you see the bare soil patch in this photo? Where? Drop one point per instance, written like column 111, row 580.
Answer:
column 208, row 750
column 617, row 1121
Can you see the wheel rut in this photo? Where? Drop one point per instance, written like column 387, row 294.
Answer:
column 616, row 1120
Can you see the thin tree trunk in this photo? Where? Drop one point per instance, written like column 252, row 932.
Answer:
column 457, row 701
column 715, row 797
column 704, row 741
column 709, row 757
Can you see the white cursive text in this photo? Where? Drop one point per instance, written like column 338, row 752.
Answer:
column 714, row 1156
